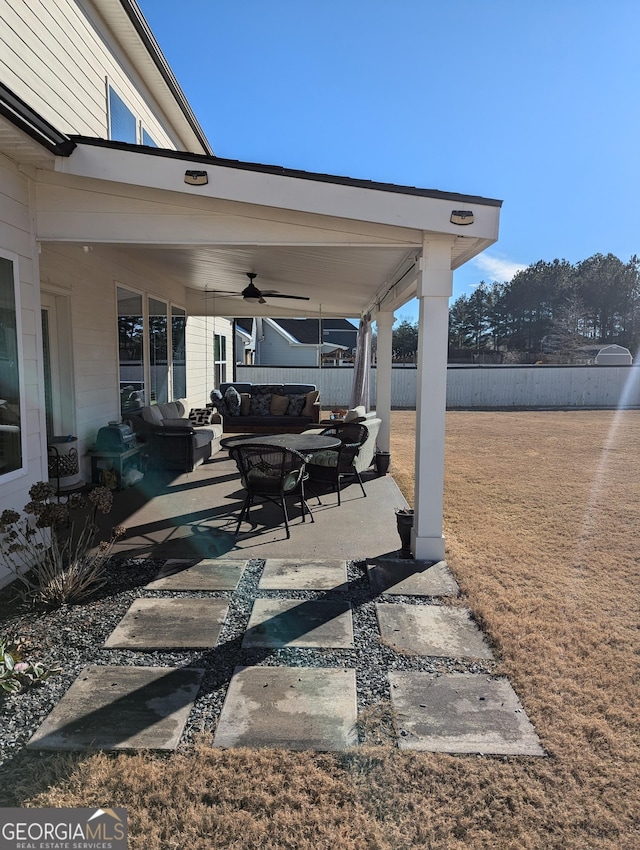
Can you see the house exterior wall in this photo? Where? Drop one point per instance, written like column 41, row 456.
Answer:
column 275, row 350
column 200, row 356
column 57, row 55
column 16, row 238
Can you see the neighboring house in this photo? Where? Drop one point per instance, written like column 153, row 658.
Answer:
column 295, row 342
column 122, row 235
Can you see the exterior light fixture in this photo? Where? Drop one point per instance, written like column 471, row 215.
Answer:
column 196, row 178
column 461, row 217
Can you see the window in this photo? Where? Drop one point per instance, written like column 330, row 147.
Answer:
column 123, row 126
column 147, row 140
column 131, row 350
column 11, row 413
column 219, row 359
column 158, row 351
column 178, row 359
column 165, row 376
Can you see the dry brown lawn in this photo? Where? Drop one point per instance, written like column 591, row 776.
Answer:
column 542, row 535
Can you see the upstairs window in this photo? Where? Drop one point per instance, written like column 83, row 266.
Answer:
column 123, row 126
column 147, row 139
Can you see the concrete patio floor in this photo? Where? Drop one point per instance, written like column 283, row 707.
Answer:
column 195, row 515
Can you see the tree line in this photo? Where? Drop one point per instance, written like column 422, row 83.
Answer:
column 553, row 311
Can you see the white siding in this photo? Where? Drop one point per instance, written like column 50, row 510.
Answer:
column 200, row 352
column 16, row 238
column 56, row 54
column 276, row 350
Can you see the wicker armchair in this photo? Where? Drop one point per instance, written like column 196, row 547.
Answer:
column 333, row 465
column 272, row 474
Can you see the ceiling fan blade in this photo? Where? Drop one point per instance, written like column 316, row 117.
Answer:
column 295, row 297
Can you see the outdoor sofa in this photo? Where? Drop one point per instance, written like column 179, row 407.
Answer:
column 173, row 440
column 267, row 408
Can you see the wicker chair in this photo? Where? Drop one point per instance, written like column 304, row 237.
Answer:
column 333, row 465
column 272, row 474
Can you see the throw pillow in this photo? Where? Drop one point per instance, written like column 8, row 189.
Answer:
column 296, row 403
column 310, row 400
column 218, row 402
column 232, row 400
column 245, row 403
column 279, row 405
column 201, row 416
column 260, row 404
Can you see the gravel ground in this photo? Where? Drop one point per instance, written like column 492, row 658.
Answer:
column 71, row 637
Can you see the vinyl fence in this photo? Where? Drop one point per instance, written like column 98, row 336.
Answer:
column 480, row 387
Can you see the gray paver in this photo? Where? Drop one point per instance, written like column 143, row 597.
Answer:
column 460, row 713
column 412, row 578
column 114, row 707
column 308, row 574
column 299, row 622
column 296, row 708
column 432, row 630
column 207, row 574
column 169, row 624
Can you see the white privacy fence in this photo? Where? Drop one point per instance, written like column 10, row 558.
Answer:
column 475, row 386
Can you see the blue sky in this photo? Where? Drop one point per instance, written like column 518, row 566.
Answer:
column 534, row 103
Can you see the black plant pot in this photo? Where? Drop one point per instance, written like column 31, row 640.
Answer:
column 404, row 521
column 382, row 460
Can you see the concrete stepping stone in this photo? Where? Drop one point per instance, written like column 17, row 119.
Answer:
column 412, row 578
column 112, row 708
column 288, row 574
column 299, row 622
column 431, row 630
column 207, row 574
column 296, row 708
column 158, row 623
column 460, row 713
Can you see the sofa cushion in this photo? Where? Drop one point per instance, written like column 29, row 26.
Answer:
column 152, row 415
column 298, row 389
column 179, row 422
column 310, row 400
column 274, row 389
column 201, row 416
column 232, row 401
column 260, row 404
column 355, row 413
column 279, row 404
column 171, row 409
column 296, row 403
column 245, row 403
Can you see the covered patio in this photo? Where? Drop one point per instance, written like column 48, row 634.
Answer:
column 195, row 515
column 349, row 248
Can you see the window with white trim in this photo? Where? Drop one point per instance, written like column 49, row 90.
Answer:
column 123, row 125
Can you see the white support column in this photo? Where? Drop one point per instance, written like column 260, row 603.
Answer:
column 384, row 324
column 435, row 285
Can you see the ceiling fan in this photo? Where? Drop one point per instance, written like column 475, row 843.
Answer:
column 252, row 293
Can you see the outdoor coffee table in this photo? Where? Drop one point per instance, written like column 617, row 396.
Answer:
column 303, row 443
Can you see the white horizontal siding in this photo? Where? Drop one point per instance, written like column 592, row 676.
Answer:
column 506, row 387
column 55, row 55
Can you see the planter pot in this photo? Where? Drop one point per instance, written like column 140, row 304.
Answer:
column 404, row 521
column 382, row 460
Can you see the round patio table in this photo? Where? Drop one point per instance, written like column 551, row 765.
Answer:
column 303, row 443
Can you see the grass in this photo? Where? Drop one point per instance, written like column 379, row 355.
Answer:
column 541, row 517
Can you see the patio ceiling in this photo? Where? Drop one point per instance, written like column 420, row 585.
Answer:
column 349, row 246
